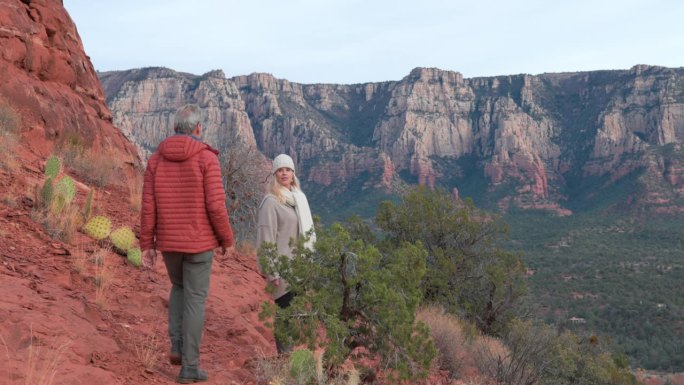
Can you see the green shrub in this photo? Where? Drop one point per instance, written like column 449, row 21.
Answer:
column 468, row 270
column 302, row 366
column 537, row 354
column 361, row 297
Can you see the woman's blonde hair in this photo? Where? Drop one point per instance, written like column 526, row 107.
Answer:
column 276, row 189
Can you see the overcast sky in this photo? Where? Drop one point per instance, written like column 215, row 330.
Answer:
column 358, row 41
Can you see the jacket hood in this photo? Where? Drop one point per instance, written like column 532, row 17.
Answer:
column 179, row 148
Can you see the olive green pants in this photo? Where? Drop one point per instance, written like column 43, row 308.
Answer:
column 189, row 275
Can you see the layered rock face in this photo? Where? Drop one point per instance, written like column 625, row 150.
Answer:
column 146, row 117
column 46, row 76
column 531, row 138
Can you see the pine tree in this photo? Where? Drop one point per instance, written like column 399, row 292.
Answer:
column 468, row 270
column 364, row 300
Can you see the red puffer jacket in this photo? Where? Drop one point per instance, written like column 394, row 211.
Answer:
column 183, row 202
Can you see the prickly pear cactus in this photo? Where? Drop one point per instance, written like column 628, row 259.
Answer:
column 66, row 188
column 47, row 192
column 134, row 256
column 65, row 191
column 52, row 167
column 122, row 238
column 98, row 227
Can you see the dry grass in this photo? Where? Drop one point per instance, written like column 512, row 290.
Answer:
column 462, row 349
column 321, row 376
column 276, row 371
column 146, row 349
column 2, row 339
column 453, row 338
column 10, row 119
column 58, row 224
column 246, row 248
column 489, row 354
column 135, row 192
column 271, row 370
column 103, row 280
column 353, row 377
column 61, row 225
column 7, row 158
column 98, row 168
column 8, row 141
column 99, row 257
column 9, row 200
column 42, row 363
column 10, row 125
column 82, row 261
column 79, row 260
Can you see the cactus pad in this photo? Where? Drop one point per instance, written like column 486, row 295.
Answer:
column 135, row 256
column 122, row 238
column 65, row 191
column 98, row 227
column 52, row 167
column 66, row 188
column 47, row 192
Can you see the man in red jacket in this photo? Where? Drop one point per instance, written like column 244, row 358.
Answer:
column 184, row 216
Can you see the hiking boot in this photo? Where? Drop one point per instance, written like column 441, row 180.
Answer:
column 191, row 375
column 175, row 356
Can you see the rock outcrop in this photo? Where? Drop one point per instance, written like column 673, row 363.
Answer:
column 535, row 140
column 46, row 76
column 72, row 310
column 147, row 117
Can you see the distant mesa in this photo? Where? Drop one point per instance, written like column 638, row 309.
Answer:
column 534, row 142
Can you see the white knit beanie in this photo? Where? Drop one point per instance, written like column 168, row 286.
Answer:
column 280, row 161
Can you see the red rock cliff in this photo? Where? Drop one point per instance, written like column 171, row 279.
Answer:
column 47, row 77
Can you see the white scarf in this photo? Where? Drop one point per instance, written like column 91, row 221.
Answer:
column 289, row 197
column 305, row 219
column 297, row 199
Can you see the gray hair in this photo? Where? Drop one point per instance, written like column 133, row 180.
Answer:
column 187, row 118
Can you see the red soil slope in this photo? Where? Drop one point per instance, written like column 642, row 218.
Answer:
column 50, row 306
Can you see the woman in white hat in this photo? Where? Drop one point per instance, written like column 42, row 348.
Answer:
column 284, row 214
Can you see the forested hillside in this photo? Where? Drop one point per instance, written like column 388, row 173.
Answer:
column 587, row 168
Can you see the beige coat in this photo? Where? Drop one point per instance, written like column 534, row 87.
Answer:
column 277, row 223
